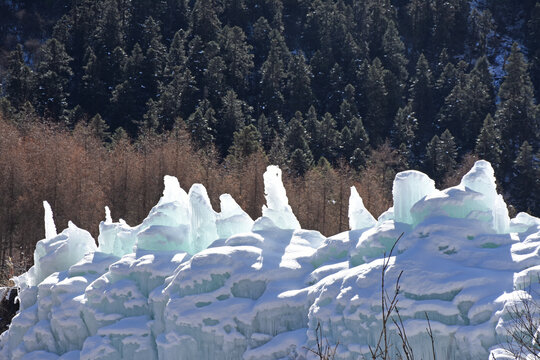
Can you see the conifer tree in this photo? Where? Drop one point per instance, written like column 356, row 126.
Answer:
column 238, row 57
column 376, row 117
column 300, row 162
column 403, row 131
column 261, row 40
column 205, row 20
column 199, row 125
column 265, row 131
column 533, row 37
column 311, row 122
column 93, row 92
column 328, row 138
column 487, row 144
column 525, row 182
column 273, row 74
column 465, row 108
column 297, row 145
column 421, row 94
column 247, row 141
column 298, row 84
column 155, row 57
column 516, row 114
column 296, row 135
column 53, row 76
column 99, row 127
column 128, row 98
column 231, row 118
column 441, row 155
column 20, row 80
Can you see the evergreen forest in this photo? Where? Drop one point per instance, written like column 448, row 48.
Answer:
column 101, row 98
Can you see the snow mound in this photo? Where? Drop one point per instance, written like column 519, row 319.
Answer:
column 191, row 283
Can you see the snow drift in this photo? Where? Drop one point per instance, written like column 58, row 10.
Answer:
column 192, row 283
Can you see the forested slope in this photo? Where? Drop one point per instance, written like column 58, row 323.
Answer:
column 342, row 86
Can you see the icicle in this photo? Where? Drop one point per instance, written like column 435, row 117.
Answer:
column 108, row 218
column 50, row 228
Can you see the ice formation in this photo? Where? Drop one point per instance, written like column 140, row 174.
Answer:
column 359, row 216
column 191, row 283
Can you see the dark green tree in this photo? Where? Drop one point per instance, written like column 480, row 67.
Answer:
column 205, row 20
column 20, row 79
column 376, row 118
column 299, row 94
column 526, row 182
column 328, row 139
column 129, row 98
column 516, row 114
column 487, row 144
column 231, row 118
column 421, row 95
column 441, row 155
column 402, row 135
column 273, row 75
column 200, row 123
column 238, row 57
column 53, row 76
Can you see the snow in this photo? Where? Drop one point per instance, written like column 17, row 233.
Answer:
column 193, row 283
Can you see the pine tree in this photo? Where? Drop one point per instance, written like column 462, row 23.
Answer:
column 446, row 82
column 99, row 127
column 273, row 75
column 421, row 93
column 53, row 76
column 129, row 98
column 526, row 168
column 441, row 155
column 20, row 82
column 376, row 118
column 420, row 22
column 298, row 84
column 311, row 125
column 465, row 108
column 200, row 124
column 335, row 86
column 296, row 135
column 516, row 113
column 403, row 131
column 155, row 57
column 533, row 37
column 177, row 55
column 93, row 92
column 261, row 40
column 487, row 144
column 215, row 82
column 300, row 162
column 237, row 56
column 328, row 139
column 174, row 99
column 265, row 131
column 394, row 58
column 205, row 20
column 231, row 118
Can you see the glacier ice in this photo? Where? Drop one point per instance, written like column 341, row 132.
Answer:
column 193, row 283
